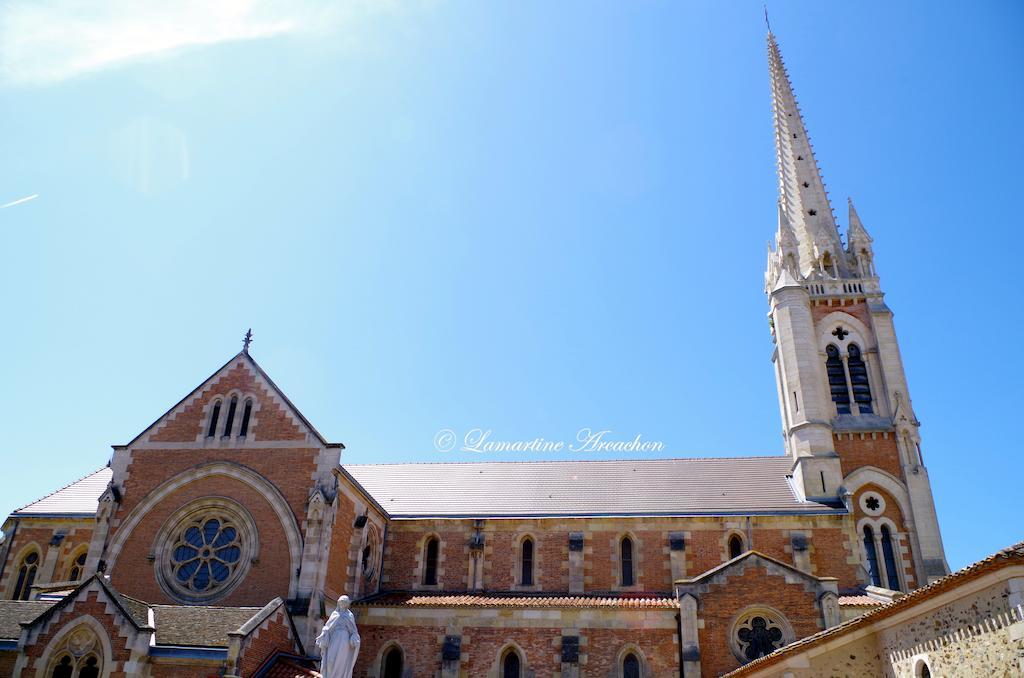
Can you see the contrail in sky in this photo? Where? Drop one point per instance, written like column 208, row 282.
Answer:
column 20, row 200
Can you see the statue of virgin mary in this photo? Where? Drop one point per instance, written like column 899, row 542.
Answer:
column 339, row 642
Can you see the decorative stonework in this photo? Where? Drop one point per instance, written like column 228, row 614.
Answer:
column 758, row 632
column 204, row 550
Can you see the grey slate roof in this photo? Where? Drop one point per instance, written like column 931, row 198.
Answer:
column 12, row 612
column 199, row 626
column 736, row 485
column 79, row 498
column 641, row 487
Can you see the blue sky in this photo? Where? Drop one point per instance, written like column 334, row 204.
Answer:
column 526, row 217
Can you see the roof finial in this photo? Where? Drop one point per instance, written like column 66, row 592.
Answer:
column 247, row 340
column 766, row 19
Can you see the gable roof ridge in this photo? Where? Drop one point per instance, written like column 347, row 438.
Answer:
column 112, row 593
column 270, row 382
column 748, row 554
column 61, row 489
column 258, row 618
column 571, row 461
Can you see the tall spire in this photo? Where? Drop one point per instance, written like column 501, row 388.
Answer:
column 802, row 193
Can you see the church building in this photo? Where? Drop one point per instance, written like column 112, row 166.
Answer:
column 216, row 542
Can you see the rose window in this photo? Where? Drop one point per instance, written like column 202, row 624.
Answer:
column 758, row 635
column 205, row 555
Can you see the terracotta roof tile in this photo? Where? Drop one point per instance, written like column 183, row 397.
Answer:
column 636, row 601
column 859, row 601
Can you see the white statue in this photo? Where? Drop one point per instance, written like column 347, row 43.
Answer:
column 339, row 642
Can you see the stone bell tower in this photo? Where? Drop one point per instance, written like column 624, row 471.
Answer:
column 847, row 418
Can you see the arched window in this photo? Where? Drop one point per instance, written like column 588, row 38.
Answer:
column 869, row 548
column 246, row 415
column 511, row 666
column 392, row 664
column 837, row 379
column 735, row 546
column 430, row 562
column 26, row 576
column 214, row 416
column 859, row 379
column 526, row 578
column 630, row 666
column 77, row 567
column 626, row 560
column 230, row 421
column 64, row 668
column 889, row 556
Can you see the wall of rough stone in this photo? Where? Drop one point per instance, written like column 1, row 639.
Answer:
column 978, row 635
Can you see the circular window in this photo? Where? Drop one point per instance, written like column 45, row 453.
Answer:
column 872, row 503
column 368, row 558
column 759, row 632
column 205, row 550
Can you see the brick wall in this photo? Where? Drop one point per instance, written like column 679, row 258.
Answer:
column 133, row 573
column 70, row 615
column 494, row 631
column 274, row 422
column 274, row 634
column 39, row 532
column 832, row 540
column 752, row 585
column 869, row 449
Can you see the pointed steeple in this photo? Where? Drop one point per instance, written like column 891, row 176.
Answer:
column 859, row 243
column 801, row 190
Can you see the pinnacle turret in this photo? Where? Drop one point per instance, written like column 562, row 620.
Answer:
column 859, row 244
column 802, row 195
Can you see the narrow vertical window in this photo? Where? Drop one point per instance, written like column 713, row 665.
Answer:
column 392, row 664
column 230, row 421
column 246, row 414
column 626, row 560
column 889, row 556
column 91, row 669
column 511, row 667
column 77, row 567
column 526, row 578
column 26, row 576
column 64, row 668
column 837, row 380
column 430, row 562
column 214, row 416
column 859, row 379
column 735, row 546
column 630, row 666
column 869, row 548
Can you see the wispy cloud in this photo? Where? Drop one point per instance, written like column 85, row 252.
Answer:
column 19, row 201
column 53, row 40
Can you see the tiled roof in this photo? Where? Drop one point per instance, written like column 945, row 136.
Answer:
column 738, row 485
column 282, row 665
column 199, row 626
column 1013, row 555
column 13, row 612
column 79, row 498
column 636, row 601
column 859, row 601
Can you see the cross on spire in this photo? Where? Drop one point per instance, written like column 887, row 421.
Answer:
column 247, row 340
